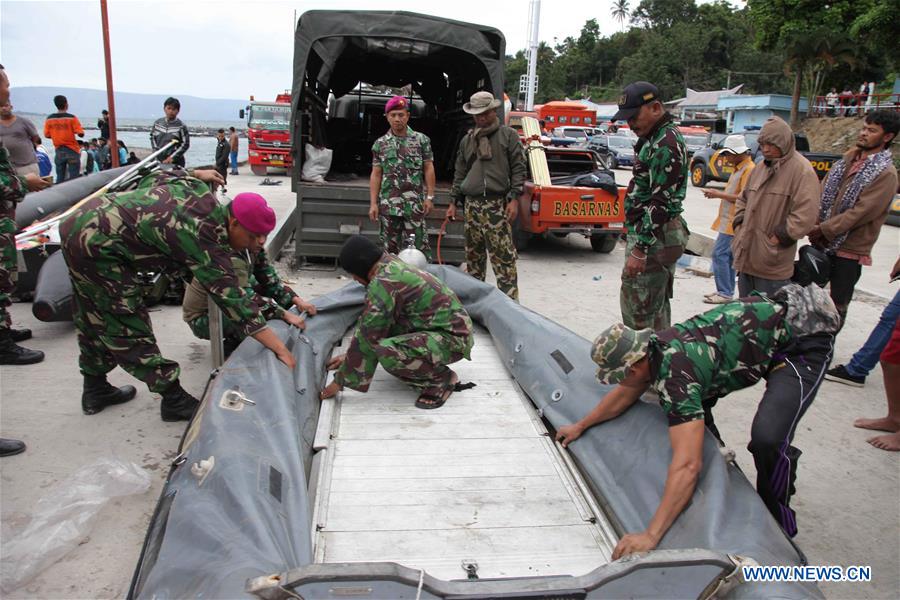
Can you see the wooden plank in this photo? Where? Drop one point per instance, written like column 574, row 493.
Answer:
column 419, row 498
column 475, row 447
column 503, row 552
column 439, row 471
column 496, row 428
column 444, row 483
column 489, row 515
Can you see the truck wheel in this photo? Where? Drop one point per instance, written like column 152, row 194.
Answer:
column 521, row 238
column 603, row 242
column 698, row 175
column 258, row 170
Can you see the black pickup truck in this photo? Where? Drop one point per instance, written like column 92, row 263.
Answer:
column 708, row 165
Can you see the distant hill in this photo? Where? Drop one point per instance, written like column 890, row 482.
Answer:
column 87, row 104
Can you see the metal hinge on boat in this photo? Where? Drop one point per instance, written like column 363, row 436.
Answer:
column 471, row 569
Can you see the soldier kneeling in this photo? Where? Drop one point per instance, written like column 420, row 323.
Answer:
column 412, row 324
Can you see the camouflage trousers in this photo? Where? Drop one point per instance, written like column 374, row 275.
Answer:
column 7, row 267
column 396, row 230
column 110, row 315
column 644, row 298
column 488, row 231
column 420, row 359
column 200, row 328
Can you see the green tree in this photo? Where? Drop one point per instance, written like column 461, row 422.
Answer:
column 620, row 11
column 796, row 28
column 663, row 14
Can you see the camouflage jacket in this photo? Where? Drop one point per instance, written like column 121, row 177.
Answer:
column 400, row 299
column 722, row 350
column 658, row 184
column 257, row 276
column 402, row 162
column 167, row 223
column 12, row 186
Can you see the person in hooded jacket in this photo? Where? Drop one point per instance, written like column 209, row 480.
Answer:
column 778, row 206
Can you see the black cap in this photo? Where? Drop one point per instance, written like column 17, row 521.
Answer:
column 633, row 97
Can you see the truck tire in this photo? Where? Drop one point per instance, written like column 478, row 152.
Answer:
column 698, row 175
column 521, row 238
column 604, row 242
column 259, row 170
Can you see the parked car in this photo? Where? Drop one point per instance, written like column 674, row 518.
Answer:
column 575, row 134
column 893, row 217
column 707, row 164
column 695, row 142
column 619, row 148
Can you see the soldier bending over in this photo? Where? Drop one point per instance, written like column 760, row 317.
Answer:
column 789, row 341
column 412, row 324
column 170, row 222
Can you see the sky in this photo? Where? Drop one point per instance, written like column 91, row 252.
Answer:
column 222, row 48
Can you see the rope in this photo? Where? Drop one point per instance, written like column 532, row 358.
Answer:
column 441, row 237
column 421, row 582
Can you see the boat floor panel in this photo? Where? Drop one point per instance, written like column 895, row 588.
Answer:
column 477, row 480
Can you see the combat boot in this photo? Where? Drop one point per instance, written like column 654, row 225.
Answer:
column 177, row 404
column 20, row 335
column 99, row 393
column 13, row 354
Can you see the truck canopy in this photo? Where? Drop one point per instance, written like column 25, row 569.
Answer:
column 442, row 61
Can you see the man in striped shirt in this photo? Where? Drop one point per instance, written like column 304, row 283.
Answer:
column 168, row 128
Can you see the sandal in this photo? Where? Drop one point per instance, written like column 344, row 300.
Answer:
column 428, row 400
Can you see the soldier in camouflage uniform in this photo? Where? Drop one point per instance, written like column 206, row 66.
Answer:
column 170, row 221
column 412, row 324
column 259, row 278
column 489, row 178
column 401, row 160
column 787, row 340
column 12, row 190
column 656, row 232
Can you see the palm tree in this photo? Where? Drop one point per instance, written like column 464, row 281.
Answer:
column 620, row 12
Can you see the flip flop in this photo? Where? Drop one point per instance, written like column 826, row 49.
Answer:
column 430, row 401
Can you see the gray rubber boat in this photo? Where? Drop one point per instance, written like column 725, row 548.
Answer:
column 275, row 494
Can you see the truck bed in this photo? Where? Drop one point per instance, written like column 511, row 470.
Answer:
column 477, row 481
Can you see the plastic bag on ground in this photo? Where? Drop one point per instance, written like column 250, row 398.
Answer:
column 64, row 516
column 318, row 161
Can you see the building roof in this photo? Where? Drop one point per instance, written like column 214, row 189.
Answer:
column 758, row 102
column 698, row 100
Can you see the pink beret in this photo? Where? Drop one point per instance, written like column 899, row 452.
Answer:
column 252, row 211
column 397, row 102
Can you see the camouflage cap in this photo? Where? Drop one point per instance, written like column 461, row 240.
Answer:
column 617, row 349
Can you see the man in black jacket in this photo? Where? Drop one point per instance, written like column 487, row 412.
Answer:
column 222, row 150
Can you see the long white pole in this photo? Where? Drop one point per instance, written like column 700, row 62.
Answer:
column 534, row 21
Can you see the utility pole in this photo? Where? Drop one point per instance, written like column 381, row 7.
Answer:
column 534, row 20
column 110, row 97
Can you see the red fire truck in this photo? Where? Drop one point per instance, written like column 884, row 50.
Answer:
column 268, row 133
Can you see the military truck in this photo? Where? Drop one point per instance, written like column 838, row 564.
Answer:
column 347, row 64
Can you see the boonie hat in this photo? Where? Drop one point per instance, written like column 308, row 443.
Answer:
column 253, row 212
column 396, row 103
column 633, row 97
column 480, row 102
column 616, row 350
column 735, row 144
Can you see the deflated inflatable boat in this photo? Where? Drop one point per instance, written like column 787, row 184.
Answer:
column 277, row 495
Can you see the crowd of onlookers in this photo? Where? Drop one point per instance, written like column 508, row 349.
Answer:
column 849, row 103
